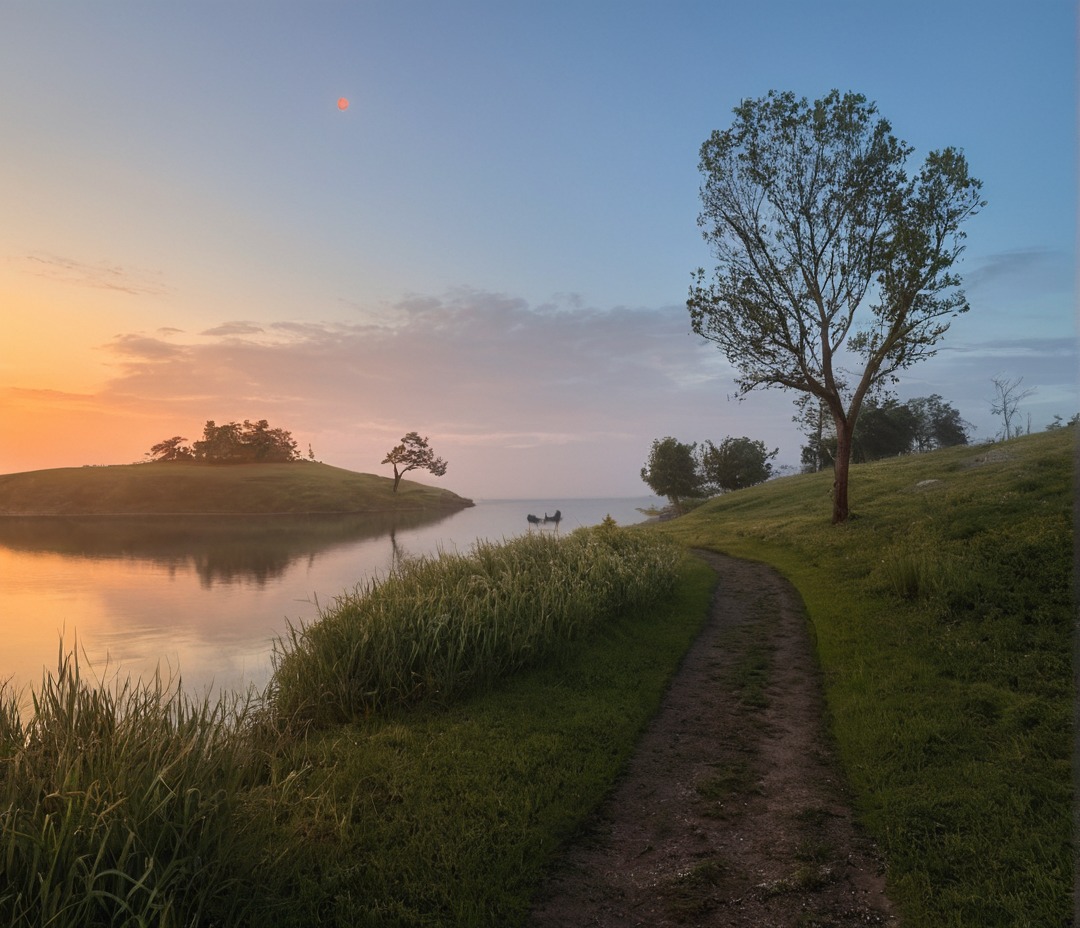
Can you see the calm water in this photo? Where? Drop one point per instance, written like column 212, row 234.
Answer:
column 206, row 598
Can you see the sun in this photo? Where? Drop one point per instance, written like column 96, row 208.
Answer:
column 343, row 103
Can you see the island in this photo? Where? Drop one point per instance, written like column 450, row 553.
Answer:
column 164, row 488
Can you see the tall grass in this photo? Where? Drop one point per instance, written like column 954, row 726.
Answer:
column 132, row 805
column 436, row 627
column 126, row 805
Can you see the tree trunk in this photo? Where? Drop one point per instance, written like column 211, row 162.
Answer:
column 397, row 477
column 840, row 470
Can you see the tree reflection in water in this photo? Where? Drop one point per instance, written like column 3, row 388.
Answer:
column 231, row 549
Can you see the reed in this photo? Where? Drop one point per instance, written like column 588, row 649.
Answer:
column 126, row 805
column 131, row 804
column 436, row 627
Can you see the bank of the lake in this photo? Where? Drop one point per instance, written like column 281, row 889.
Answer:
column 213, row 489
column 205, row 596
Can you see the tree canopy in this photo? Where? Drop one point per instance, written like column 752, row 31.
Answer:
column 672, row 471
column 885, row 429
column 231, row 443
column 681, row 471
column 413, row 453
column 736, row 463
column 834, row 266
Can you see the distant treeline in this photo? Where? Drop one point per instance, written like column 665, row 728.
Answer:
column 232, row 443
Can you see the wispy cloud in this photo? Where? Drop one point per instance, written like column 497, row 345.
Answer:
column 234, row 328
column 483, row 371
column 473, row 361
column 101, row 276
column 1021, row 264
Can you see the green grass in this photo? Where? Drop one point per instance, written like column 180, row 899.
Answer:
column 437, row 626
column 450, row 816
column 943, row 614
column 128, row 805
column 133, row 806
column 157, row 488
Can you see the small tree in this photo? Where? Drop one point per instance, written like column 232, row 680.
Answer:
column 413, row 453
column 736, row 463
column 938, row 424
column 1007, row 401
column 672, row 471
column 827, row 252
column 816, row 423
column 884, row 430
column 1060, row 423
column 172, row 449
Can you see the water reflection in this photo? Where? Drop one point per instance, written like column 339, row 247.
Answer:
column 208, row 596
column 256, row 549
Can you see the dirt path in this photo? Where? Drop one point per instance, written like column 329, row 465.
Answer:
column 732, row 812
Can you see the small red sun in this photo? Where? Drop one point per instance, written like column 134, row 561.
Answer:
column 343, row 104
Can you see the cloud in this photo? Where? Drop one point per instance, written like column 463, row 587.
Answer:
column 144, row 348
column 234, row 328
column 100, row 276
column 519, row 385
column 522, row 400
column 32, row 396
column 471, row 361
column 963, row 372
column 1008, row 266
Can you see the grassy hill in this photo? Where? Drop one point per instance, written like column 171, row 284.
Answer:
column 168, row 488
column 943, row 614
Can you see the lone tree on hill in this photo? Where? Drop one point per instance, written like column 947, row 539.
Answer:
column 1007, row 401
column 411, row 454
column 827, row 252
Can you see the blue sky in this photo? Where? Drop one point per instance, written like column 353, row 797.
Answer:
column 493, row 244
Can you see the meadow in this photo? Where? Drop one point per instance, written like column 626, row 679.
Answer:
column 436, row 790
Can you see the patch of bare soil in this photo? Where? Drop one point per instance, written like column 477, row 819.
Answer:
column 733, row 811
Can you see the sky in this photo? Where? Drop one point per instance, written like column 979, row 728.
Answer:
column 492, row 245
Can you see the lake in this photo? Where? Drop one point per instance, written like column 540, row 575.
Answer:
column 205, row 598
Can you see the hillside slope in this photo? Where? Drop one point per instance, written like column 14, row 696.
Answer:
column 943, row 617
column 160, row 489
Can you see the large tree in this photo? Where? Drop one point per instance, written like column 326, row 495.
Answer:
column 672, row 471
column 834, row 267
column 413, row 453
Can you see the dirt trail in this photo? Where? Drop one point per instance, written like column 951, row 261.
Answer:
column 732, row 811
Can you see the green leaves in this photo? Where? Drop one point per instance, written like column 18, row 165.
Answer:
column 827, row 251
column 413, row 453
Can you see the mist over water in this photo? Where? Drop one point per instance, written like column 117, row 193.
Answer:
column 205, row 598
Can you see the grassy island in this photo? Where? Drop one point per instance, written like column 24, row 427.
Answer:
column 212, row 489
